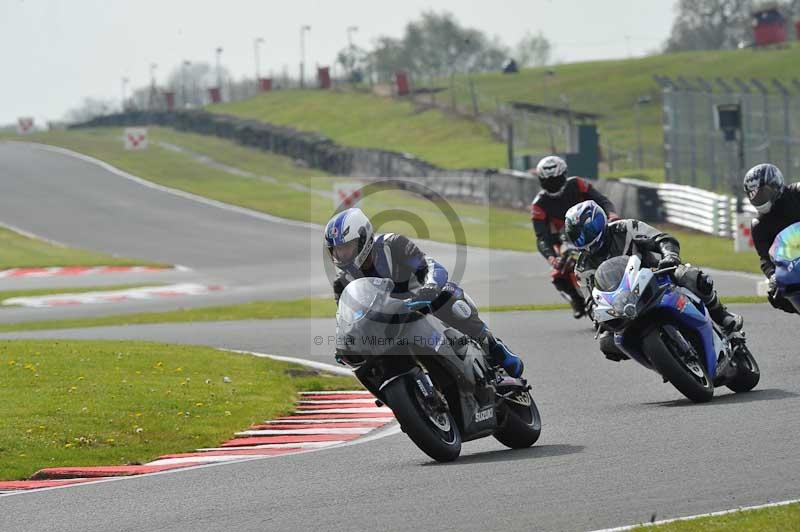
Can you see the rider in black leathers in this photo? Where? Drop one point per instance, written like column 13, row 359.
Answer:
column 656, row 250
column 779, row 207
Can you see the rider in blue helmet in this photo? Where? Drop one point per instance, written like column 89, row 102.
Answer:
column 588, row 229
column 356, row 251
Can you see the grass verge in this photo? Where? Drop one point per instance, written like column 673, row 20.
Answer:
column 259, row 310
column 484, row 226
column 112, row 402
column 775, row 519
column 20, row 251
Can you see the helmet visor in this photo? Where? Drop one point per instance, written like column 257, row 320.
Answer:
column 345, row 253
column 762, row 196
column 588, row 235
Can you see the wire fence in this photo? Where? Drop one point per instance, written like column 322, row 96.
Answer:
column 696, row 152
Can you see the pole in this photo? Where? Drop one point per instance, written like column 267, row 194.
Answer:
column 639, row 154
column 219, row 70
column 152, row 102
column 303, row 30
column 256, row 44
column 183, row 83
column 550, row 134
column 124, row 92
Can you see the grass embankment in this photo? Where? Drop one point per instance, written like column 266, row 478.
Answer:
column 776, row 519
column 259, row 310
column 483, row 226
column 109, row 402
column 20, row 251
column 609, row 88
column 612, row 87
column 369, row 121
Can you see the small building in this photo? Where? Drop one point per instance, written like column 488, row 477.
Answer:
column 769, row 26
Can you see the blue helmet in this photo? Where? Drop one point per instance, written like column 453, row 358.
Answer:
column 349, row 238
column 585, row 226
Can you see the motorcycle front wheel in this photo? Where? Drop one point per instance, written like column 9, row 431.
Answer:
column 747, row 372
column 522, row 423
column 433, row 430
column 683, row 370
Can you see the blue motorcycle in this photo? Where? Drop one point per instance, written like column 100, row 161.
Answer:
column 667, row 328
column 785, row 255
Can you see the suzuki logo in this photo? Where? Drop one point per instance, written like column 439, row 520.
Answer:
column 483, row 415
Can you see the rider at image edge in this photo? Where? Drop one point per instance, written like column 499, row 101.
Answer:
column 357, row 251
column 548, row 209
column 588, row 229
column 778, row 206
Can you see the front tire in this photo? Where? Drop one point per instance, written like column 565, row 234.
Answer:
column 747, row 372
column 435, row 433
column 522, row 424
column 683, row 370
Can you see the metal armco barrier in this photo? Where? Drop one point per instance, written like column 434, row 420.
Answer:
column 696, row 208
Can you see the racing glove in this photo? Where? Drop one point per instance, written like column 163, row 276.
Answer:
column 669, row 260
column 424, row 297
column 776, row 300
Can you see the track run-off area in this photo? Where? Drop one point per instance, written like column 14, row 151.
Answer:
column 617, row 445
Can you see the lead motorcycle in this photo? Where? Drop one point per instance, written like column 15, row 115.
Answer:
column 666, row 328
column 435, row 379
column 785, row 255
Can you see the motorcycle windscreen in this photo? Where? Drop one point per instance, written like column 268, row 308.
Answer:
column 359, row 297
column 786, row 246
column 610, row 274
column 368, row 318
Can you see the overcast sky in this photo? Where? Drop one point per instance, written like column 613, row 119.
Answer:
column 56, row 52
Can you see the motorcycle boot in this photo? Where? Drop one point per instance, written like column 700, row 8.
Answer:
column 502, row 356
column 728, row 321
column 572, row 295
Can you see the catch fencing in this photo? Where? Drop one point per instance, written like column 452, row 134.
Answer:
column 695, row 150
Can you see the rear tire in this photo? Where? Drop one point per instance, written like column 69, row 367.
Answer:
column 436, row 435
column 747, row 372
column 522, row 424
column 690, row 378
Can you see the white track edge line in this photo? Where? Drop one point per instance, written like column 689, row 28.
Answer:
column 338, row 370
column 700, row 516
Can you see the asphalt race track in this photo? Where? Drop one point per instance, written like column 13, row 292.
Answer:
column 617, row 446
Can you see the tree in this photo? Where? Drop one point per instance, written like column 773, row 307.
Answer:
column 533, row 50
column 436, row 45
column 90, row 108
column 709, row 25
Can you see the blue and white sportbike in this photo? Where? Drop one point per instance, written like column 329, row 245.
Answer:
column 785, row 255
column 667, row 328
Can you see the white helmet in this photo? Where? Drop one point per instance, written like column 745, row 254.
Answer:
column 552, row 173
column 349, row 238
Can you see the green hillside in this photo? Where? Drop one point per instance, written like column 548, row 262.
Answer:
column 606, row 87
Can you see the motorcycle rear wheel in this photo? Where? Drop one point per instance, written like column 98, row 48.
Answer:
column 435, row 433
column 688, row 376
column 522, row 424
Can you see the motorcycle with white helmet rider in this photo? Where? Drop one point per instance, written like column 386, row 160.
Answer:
column 588, row 229
column 548, row 209
column 356, row 252
column 778, row 206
